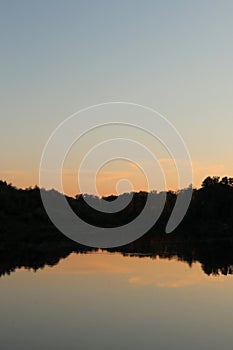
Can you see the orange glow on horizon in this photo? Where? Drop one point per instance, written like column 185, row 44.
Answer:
column 109, row 176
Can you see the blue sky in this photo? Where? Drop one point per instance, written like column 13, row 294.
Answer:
column 60, row 56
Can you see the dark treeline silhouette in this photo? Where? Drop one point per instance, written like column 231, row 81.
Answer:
column 29, row 239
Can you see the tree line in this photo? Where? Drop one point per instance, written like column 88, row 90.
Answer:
column 29, row 239
column 210, row 213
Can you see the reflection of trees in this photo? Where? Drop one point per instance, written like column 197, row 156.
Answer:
column 36, row 257
column 216, row 257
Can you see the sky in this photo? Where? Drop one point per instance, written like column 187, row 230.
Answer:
column 58, row 57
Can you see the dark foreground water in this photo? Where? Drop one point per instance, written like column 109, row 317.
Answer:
column 109, row 301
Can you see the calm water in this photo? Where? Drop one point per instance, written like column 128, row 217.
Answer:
column 108, row 301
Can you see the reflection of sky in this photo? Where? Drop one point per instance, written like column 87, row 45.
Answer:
column 134, row 270
column 107, row 301
column 59, row 57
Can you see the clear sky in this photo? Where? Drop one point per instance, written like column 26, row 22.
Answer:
column 60, row 56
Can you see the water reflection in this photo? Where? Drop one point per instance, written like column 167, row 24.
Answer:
column 109, row 301
column 215, row 256
column 131, row 270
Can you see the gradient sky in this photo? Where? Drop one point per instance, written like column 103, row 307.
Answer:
column 60, row 56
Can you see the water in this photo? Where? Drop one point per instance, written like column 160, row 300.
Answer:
column 109, row 301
